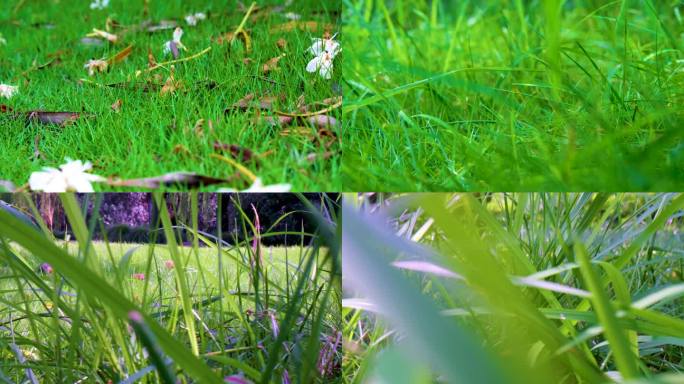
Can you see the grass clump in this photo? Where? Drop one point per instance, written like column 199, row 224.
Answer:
column 513, row 95
column 220, row 309
column 514, row 288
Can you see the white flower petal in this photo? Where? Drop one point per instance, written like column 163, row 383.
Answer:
column 177, row 34
column 326, row 69
column 71, row 176
column 7, row 91
column 258, row 186
column 314, row 64
column 99, row 4
column 49, row 180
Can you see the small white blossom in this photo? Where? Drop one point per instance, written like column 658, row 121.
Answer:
column 177, row 34
column 192, row 20
column 7, row 91
column 98, row 65
column 292, row 16
column 325, row 45
column 258, row 186
column 323, row 64
column 70, row 177
column 99, row 4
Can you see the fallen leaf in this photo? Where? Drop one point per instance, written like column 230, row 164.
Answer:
column 282, row 43
column 121, row 55
column 264, row 102
column 52, row 118
column 185, row 179
column 116, row 107
column 272, row 64
column 171, row 84
column 151, row 61
column 181, row 149
column 49, row 118
column 241, row 154
column 162, row 25
column 91, row 42
column 229, row 37
column 277, row 120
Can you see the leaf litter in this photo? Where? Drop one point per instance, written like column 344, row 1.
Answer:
column 318, row 121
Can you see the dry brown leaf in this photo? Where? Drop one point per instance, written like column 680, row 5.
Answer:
column 282, row 43
column 181, row 149
column 276, row 120
column 121, row 55
column 229, row 37
column 171, row 85
column 272, row 64
column 249, row 101
column 43, row 117
column 151, row 61
column 241, row 154
column 116, row 107
column 199, row 128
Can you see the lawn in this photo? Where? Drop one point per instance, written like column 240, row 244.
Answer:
column 514, row 288
column 513, row 95
column 138, row 119
column 103, row 311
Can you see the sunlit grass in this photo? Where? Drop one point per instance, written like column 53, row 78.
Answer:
column 210, row 311
column 513, row 95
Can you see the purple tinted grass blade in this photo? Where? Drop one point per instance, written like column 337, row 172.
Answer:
column 146, row 337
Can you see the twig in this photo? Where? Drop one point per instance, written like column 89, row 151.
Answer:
column 196, row 55
column 322, row 111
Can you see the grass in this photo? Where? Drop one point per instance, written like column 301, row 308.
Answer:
column 116, row 312
column 513, row 95
column 154, row 134
column 514, row 288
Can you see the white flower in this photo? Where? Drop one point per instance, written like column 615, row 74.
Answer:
column 96, row 65
column 192, row 20
column 258, row 186
column 323, row 64
column 99, row 4
column 292, row 16
column 70, row 177
column 7, row 91
column 177, row 34
column 2, row 40
column 325, row 45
